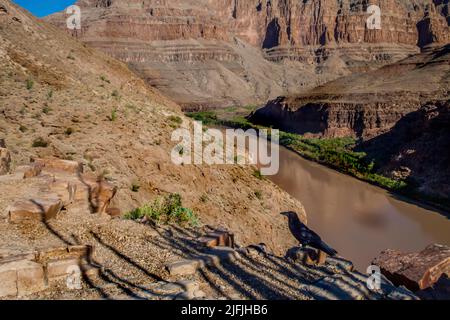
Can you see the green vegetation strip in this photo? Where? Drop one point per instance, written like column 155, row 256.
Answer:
column 336, row 153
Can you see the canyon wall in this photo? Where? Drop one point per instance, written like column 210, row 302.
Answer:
column 212, row 53
column 364, row 105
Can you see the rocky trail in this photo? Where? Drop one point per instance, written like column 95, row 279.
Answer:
column 72, row 229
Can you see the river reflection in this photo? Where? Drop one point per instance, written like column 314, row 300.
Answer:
column 357, row 219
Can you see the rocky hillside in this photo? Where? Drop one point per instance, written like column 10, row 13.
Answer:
column 417, row 148
column 223, row 52
column 60, row 98
column 399, row 111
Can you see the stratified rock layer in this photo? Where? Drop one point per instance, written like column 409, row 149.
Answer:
column 364, row 105
column 223, row 52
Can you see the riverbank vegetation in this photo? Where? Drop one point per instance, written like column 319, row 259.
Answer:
column 337, row 153
column 168, row 209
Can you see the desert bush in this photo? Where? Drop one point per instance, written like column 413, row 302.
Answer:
column 30, row 84
column 113, row 116
column 168, row 209
column 69, row 131
column 40, row 143
column 258, row 174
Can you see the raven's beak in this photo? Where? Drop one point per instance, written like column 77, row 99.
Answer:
column 286, row 214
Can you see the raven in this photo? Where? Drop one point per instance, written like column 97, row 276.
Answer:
column 306, row 236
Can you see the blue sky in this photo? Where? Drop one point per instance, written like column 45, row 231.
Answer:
column 42, row 8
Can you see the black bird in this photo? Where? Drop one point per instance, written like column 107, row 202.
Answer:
column 305, row 235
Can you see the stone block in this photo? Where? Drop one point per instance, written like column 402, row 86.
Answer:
column 61, row 268
column 34, row 209
column 59, row 165
column 21, row 278
column 8, row 281
column 218, row 239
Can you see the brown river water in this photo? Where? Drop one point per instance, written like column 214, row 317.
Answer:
column 357, row 219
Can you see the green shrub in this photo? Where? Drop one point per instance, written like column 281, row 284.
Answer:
column 40, row 143
column 104, row 79
column 204, row 198
column 23, row 129
column 46, row 110
column 206, row 117
column 115, row 94
column 258, row 194
column 69, row 131
column 113, row 116
column 175, row 119
column 135, row 187
column 30, row 84
column 258, row 174
column 168, row 209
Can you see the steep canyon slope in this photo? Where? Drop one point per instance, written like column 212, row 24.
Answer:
column 216, row 53
column 60, row 98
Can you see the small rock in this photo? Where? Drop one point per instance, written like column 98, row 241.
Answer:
column 188, row 285
column 61, row 268
column 306, row 256
column 185, row 296
column 199, row 294
column 169, row 288
column 220, row 254
column 183, row 267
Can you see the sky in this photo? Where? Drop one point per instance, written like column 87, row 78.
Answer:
column 42, row 8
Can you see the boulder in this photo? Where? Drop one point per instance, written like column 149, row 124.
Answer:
column 439, row 291
column 34, row 209
column 416, row 271
column 218, row 239
column 29, row 171
column 101, row 192
column 306, row 256
column 59, row 165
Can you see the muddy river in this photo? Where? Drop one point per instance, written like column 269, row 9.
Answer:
column 356, row 218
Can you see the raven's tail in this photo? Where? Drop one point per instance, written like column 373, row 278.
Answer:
column 327, row 249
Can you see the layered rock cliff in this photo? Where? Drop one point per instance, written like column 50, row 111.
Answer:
column 222, row 52
column 364, row 105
